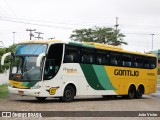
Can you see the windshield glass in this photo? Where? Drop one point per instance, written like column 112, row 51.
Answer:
column 31, row 49
column 25, row 67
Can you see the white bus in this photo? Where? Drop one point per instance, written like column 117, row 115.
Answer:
column 51, row 68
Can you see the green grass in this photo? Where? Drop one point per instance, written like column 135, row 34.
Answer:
column 3, row 91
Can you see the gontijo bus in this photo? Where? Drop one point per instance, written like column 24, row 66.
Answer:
column 52, row 68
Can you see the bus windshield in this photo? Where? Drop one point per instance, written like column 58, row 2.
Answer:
column 25, row 68
column 31, row 49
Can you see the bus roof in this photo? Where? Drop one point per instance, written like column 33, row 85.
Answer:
column 41, row 41
column 86, row 44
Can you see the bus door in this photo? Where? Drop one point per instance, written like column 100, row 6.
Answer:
column 52, row 76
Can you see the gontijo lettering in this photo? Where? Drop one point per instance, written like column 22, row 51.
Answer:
column 126, row 72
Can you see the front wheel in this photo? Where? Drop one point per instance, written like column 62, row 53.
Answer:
column 68, row 95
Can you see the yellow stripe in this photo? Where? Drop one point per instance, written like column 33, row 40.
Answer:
column 17, row 84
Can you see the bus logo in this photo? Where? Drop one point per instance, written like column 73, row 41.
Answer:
column 52, row 90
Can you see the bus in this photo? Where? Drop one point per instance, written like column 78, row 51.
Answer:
column 53, row 68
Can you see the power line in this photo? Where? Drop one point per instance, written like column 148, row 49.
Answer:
column 58, row 27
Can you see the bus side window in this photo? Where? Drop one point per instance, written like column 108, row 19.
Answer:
column 87, row 56
column 101, row 57
column 146, row 62
column 116, row 58
column 152, row 63
column 127, row 60
column 87, row 59
column 71, row 54
column 138, row 61
column 68, row 58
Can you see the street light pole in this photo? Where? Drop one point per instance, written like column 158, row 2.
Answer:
column 152, row 41
column 2, row 43
column 13, row 37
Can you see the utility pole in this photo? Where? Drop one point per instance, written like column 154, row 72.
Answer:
column 2, row 43
column 13, row 37
column 31, row 35
column 152, row 41
column 39, row 33
column 116, row 27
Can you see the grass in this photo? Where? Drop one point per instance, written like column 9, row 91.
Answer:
column 3, row 91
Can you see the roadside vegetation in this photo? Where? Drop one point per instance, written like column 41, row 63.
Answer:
column 8, row 59
column 3, row 91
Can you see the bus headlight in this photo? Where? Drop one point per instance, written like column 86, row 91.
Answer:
column 36, row 87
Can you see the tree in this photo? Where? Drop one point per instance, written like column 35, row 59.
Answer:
column 8, row 59
column 99, row 34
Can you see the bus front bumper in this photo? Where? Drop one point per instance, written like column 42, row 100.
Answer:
column 28, row 92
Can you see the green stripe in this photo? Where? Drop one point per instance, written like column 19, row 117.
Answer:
column 25, row 84
column 81, row 45
column 29, row 84
column 103, row 77
column 91, row 76
column 97, row 77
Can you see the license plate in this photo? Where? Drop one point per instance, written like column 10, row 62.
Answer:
column 20, row 92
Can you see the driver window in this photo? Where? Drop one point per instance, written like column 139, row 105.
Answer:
column 49, row 69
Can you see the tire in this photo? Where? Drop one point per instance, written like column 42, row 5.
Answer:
column 41, row 98
column 68, row 95
column 139, row 92
column 131, row 92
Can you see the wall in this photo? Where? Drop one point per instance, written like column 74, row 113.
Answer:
column 4, row 77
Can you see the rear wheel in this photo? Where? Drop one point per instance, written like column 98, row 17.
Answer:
column 131, row 92
column 139, row 92
column 68, row 95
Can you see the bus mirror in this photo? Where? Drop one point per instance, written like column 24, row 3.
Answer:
column 4, row 57
column 39, row 59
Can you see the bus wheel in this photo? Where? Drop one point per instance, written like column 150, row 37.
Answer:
column 139, row 92
column 41, row 98
column 68, row 95
column 131, row 92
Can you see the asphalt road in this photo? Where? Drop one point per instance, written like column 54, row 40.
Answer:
column 96, row 103
column 149, row 103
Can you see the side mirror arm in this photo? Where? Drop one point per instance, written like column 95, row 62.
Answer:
column 4, row 57
column 39, row 59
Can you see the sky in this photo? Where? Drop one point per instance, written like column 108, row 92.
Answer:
column 137, row 19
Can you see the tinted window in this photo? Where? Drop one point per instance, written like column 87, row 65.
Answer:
column 71, row 54
column 101, row 57
column 138, row 61
column 87, row 55
column 115, row 58
column 127, row 60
